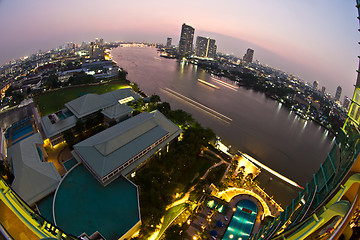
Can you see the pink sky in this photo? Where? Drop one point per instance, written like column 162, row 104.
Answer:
column 315, row 41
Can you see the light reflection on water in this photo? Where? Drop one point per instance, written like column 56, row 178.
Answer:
column 264, row 129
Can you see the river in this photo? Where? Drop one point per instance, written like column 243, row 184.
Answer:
column 245, row 119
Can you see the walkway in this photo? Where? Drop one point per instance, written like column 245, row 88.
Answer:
column 13, row 225
column 222, row 161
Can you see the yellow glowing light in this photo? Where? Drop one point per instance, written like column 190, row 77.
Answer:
column 209, row 84
column 271, row 171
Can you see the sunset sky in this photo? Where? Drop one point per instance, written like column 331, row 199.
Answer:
column 313, row 39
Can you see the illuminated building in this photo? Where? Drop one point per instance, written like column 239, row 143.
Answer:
column 323, row 89
column 119, row 149
column 315, row 85
column 338, row 93
column 96, row 50
column 168, row 42
column 205, row 47
column 186, row 40
column 346, row 103
column 111, row 104
column 248, row 57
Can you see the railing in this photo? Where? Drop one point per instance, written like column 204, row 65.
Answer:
column 326, row 183
column 34, row 221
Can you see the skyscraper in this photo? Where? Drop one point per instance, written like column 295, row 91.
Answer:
column 346, row 103
column 186, row 40
column 338, row 93
column 323, row 89
column 315, row 85
column 168, row 42
column 96, row 51
column 248, row 57
column 205, row 47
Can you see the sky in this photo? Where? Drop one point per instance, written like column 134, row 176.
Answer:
column 316, row 40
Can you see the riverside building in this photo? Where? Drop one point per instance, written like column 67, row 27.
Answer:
column 186, row 40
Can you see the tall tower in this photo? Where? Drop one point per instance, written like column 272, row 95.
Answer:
column 315, row 85
column 186, row 40
column 248, row 57
column 205, row 47
column 168, row 42
column 323, row 89
column 338, row 93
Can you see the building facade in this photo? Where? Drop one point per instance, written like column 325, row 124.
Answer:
column 338, row 93
column 168, row 42
column 205, row 47
column 186, row 40
column 315, row 85
column 248, row 57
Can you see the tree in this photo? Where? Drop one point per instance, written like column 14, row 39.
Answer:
column 164, row 108
column 52, row 82
column 9, row 91
column 155, row 98
column 135, row 87
column 122, row 74
column 175, row 232
column 99, row 117
column 69, row 137
column 180, row 117
column 79, row 126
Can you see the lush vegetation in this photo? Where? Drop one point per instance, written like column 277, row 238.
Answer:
column 173, row 170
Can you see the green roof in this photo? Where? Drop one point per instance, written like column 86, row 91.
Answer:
column 87, row 104
column 52, row 129
column 113, row 147
column 117, row 111
column 34, row 179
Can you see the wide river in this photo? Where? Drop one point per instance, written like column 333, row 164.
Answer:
column 245, row 119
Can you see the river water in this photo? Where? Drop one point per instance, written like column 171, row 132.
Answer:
column 245, row 119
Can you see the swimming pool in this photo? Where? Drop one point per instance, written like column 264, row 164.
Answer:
column 70, row 163
column 242, row 222
column 16, row 134
column 82, row 204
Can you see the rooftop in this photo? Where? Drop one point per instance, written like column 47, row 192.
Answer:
column 114, row 146
column 117, row 111
column 87, row 104
column 52, row 129
column 34, row 179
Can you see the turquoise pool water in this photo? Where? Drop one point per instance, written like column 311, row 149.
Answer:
column 242, row 222
column 70, row 163
column 82, row 204
column 68, row 114
column 16, row 134
column 60, row 115
column 45, row 207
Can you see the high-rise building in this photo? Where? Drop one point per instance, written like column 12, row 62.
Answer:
column 186, row 40
column 205, row 47
column 338, row 93
column 315, row 85
column 248, row 57
column 168, row 42
column 96, row 51
column 323, row 89
column 346, row 103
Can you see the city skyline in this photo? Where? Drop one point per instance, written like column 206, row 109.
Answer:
column 306, row 45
